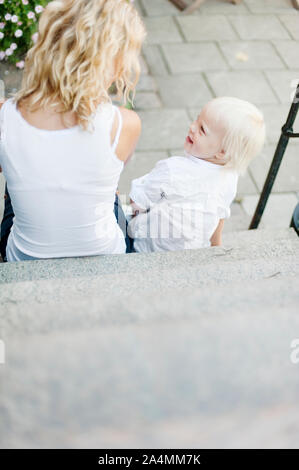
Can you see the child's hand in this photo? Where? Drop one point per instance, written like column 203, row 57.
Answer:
column 135, row 208
column 216, row 239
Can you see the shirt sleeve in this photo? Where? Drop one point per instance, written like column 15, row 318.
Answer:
column 224, row 210
column 147, row 190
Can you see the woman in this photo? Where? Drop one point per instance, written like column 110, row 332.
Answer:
column 63, row 143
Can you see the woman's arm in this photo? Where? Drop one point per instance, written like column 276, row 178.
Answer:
column 216, row 239
column 129, row 136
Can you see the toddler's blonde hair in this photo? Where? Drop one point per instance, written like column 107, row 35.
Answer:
column 81, row 45
column 245, row 130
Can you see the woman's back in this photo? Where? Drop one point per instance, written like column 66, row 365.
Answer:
column 62, row 185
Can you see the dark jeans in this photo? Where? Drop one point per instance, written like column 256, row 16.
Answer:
column 8, row 216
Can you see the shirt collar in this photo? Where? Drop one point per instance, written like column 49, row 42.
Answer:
column 203, row 162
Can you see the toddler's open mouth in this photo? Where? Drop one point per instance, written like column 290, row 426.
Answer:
column 189, row 140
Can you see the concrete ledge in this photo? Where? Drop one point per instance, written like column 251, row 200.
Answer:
column 245, row 245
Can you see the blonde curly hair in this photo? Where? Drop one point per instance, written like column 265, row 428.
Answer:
column 83, row 46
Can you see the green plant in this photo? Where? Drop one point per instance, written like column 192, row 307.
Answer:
column 18, row 28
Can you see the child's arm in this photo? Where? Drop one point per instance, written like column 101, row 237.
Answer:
column 147, row 190
column 135, row 208
column 216, row 238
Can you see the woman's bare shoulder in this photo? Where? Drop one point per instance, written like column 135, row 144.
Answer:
column 130, row 134
column 131, row 120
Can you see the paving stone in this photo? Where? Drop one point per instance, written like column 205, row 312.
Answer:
column 11, row 76
column 288, row 175
column 284, row 83
column 144, row 66
column 291, row 22
column 288, row 52
column 252, row 87
column 2, row 89
column 193, row 57
column 163, row 129
column 251, row 55
column 278, row 212
column 259, row 27
column 275, row 116
column 246, row 185
column 158, row 7
column 154, row 59
column 138, row 7
column 140, row 164
column 269, row 6
column 178, row 151
column 146, row 83
column 147, row 100
column 194, row 112
column 162, row 29
column 222, row 7
column 206, row 28
column 183, row 90
column 238, row 221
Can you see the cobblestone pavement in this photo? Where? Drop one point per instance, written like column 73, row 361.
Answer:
column 249, row 51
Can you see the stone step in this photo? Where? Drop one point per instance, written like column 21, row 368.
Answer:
column 245, row 245
column 219, row 272
column 218, row 381
column 48, row 308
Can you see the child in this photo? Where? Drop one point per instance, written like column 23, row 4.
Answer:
column 183, row 201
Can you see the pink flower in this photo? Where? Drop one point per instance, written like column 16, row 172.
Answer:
column 8, row 52
column 38, row 8
column 31, row 15
column 25, row 2
column 18, row 33
column 13, row 46
column 1, row 35
column 7, row 16
column 2, row 55
column 2, row 25
column 34, row 37
column 20, row 64
column 14, row 19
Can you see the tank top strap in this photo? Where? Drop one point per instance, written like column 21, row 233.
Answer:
column 120, row 124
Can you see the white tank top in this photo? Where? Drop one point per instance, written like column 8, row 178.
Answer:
column 62, row 185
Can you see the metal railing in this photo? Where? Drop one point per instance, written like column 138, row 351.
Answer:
column 286, row 134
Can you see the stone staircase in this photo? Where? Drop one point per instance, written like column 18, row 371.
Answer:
column 188, row 349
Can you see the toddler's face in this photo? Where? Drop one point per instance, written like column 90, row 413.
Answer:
column 205, row 138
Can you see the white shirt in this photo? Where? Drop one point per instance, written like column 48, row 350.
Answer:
column 62, row 185
column 185, row 197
